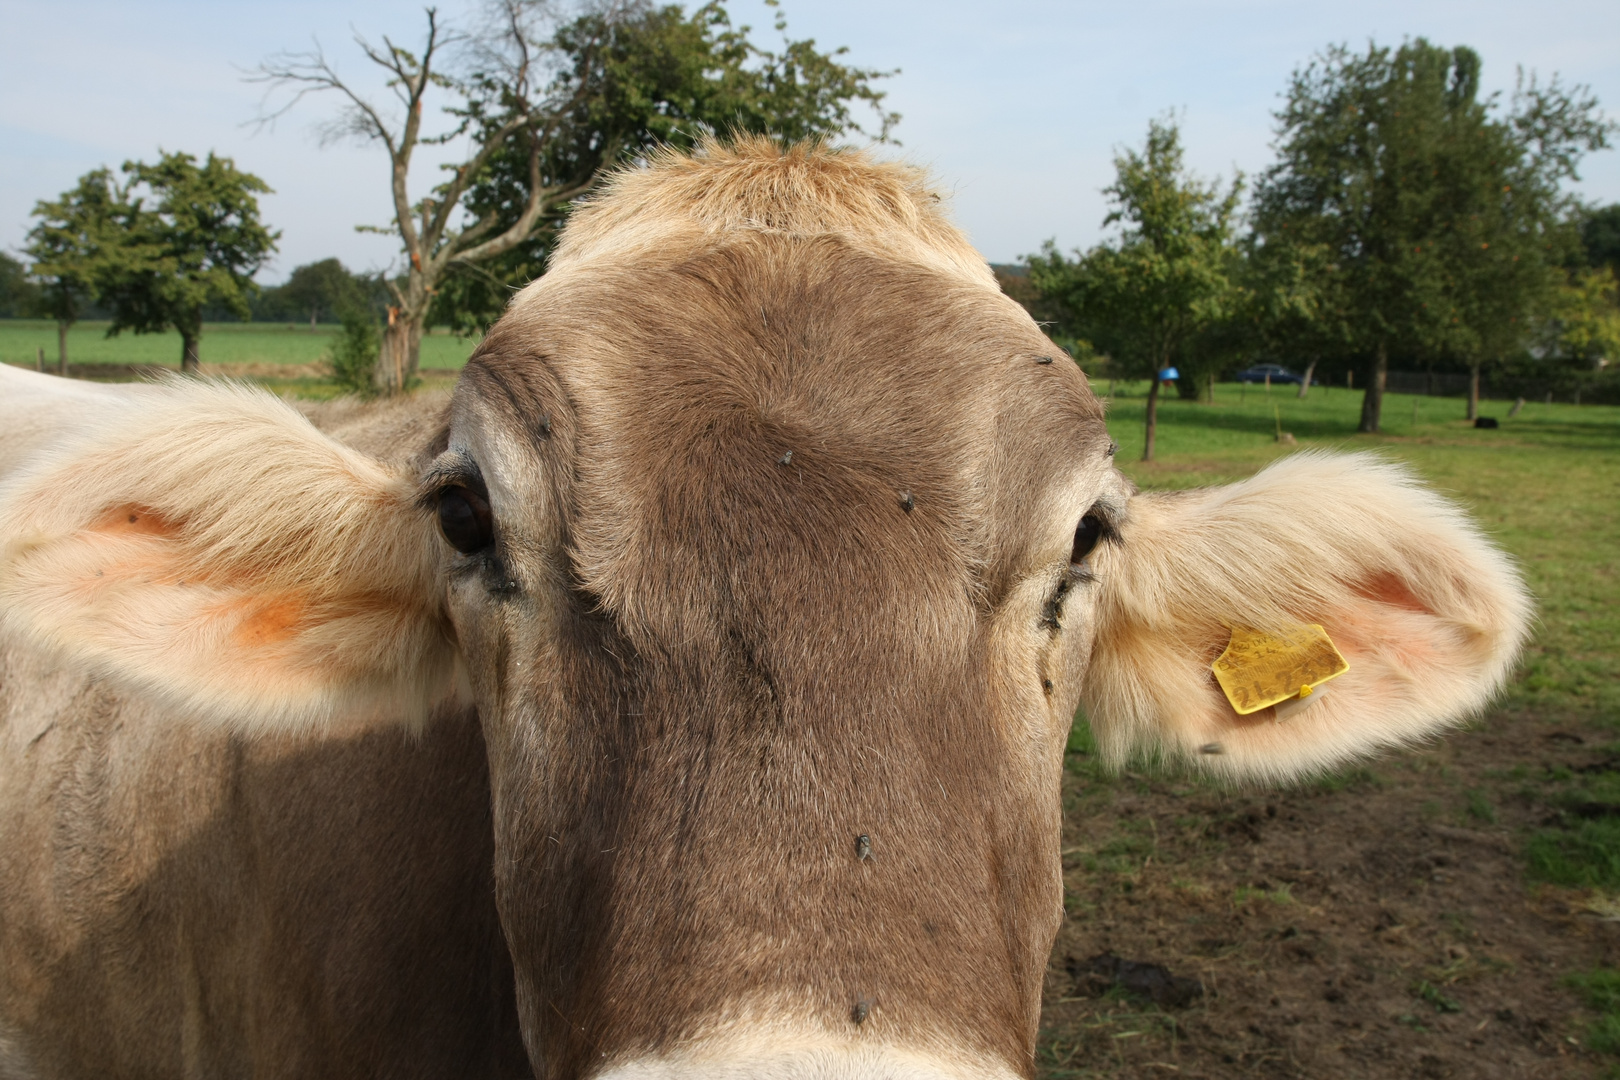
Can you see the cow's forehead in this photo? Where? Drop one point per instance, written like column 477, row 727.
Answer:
column 809, row 345
column 699, row 245
column 675, row 204
column 800, row 390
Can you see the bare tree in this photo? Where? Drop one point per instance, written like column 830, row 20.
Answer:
column 512, row 91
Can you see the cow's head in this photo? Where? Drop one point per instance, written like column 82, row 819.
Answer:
column 777, row 550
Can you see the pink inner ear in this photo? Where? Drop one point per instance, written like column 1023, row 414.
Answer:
column 1391, row 590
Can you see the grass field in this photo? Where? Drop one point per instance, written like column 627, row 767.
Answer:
column 1452, row 911
column 222, row 343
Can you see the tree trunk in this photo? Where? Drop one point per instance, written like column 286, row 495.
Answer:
column 189, row 362
column 1152, row 419
column 61, row 346
column 1305, row 383
column 401, row 352
column 1372, row 404
column 413, row 345
column 1473, row 392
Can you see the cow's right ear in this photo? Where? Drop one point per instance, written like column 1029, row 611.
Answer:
column 209, row 547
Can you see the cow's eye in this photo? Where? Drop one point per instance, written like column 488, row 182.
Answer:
column 1086, row 535
column 465, row 520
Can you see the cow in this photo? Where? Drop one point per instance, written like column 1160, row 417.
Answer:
column 687, row 699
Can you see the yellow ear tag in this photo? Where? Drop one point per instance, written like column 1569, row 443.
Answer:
column 1259, row 669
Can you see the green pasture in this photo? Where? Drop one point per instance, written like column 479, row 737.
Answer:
column 1546, row 486
column 222, row 343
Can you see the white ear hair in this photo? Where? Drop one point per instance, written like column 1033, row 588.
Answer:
column 1430, row 615
column 205, row 544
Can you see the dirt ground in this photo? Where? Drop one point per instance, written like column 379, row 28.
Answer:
column 1376, row 924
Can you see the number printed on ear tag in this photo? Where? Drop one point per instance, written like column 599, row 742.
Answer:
column 1259, row 669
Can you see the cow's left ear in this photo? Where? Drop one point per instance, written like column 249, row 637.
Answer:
column 206, row 545
column 1426, row 612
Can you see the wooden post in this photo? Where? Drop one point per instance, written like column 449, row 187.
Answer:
column 39, row 359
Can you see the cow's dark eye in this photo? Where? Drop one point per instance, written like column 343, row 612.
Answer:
column 465, row 520
column 1086, row 535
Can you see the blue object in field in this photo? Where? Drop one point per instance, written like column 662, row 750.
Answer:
column 1169, row 374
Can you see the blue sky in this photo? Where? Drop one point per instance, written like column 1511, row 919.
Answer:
column 1016, row 107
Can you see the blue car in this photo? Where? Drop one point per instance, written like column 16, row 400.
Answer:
column 1277, row 372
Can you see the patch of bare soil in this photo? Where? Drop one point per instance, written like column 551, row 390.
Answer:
column 1374, row 925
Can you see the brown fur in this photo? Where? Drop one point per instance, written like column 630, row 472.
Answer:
column 179, row 901
column 784, row 496
column 804, row 660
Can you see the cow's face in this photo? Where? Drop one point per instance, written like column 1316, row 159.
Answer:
column 772, row 570
column 776, row 550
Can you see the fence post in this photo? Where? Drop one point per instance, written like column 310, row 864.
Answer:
column 39, row 359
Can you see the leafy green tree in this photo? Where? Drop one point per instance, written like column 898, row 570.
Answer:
column 1513, row 228
column 324, row 290
column 1583, row 333
column 19, row 297
column 548, row 109
column 1292, row 305
column 1168, row 275
column 190, row 237
column 67, row 247
column 1442, row 222
column 1600, row 236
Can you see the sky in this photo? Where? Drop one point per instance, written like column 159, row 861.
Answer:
column 1016, row 107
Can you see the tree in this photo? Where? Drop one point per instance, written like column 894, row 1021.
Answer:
column 19, row 297
column 67, row 247
column 547, row 110
column 1600, row 236
column 1442, row 222
column 1168, row 274
column 1292, row 303
column 1583, row 333
column 188, row 236
column 324, row 289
